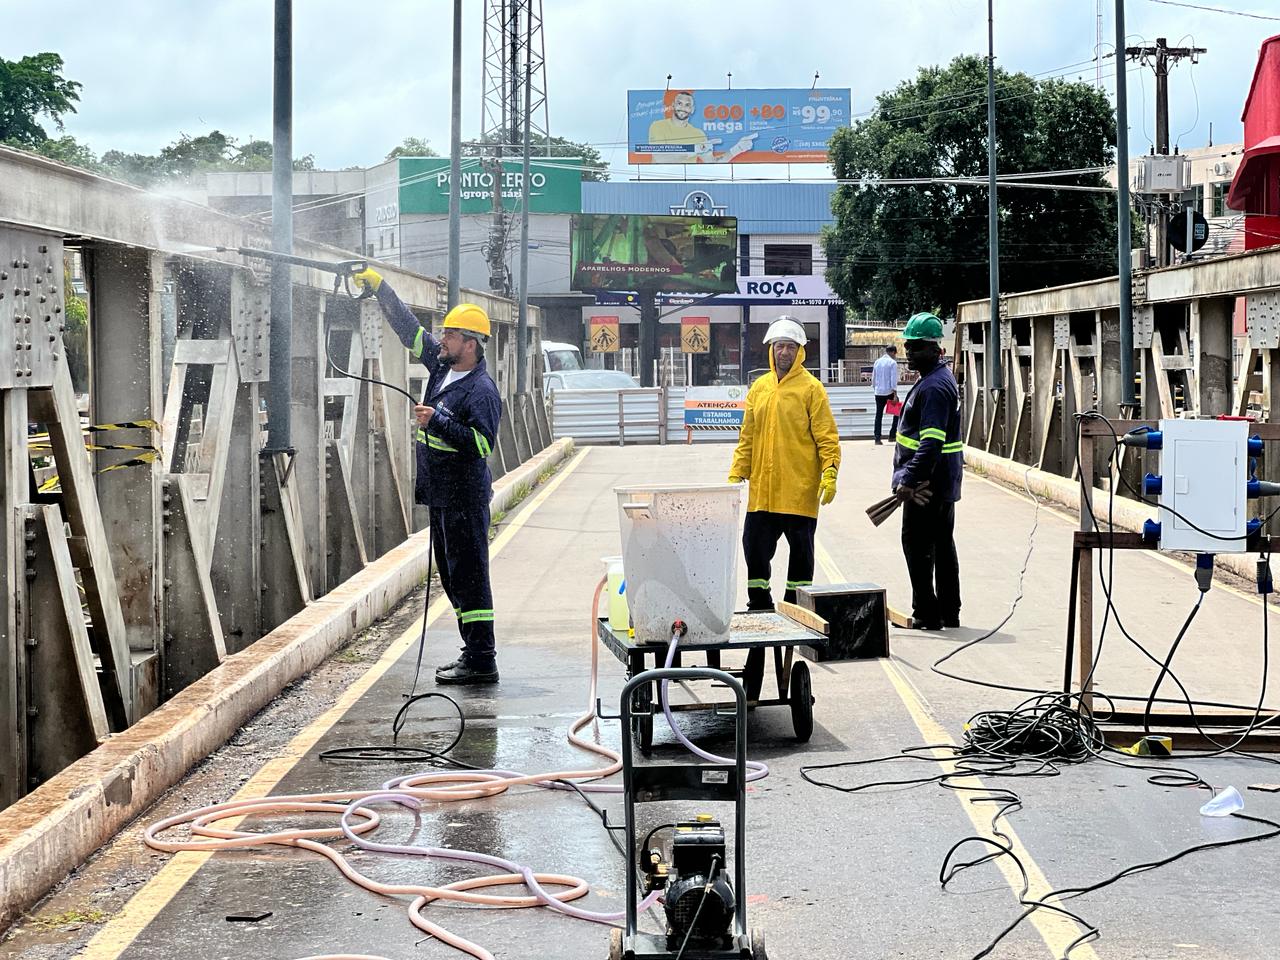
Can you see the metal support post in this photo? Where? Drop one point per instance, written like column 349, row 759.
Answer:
column 994, row 378
column 455, row 161
column 278, row 420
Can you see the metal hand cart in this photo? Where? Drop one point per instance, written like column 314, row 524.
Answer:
column 651, row 783
column 760, row 631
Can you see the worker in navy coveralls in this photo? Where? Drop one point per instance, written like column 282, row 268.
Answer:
column 457, row 428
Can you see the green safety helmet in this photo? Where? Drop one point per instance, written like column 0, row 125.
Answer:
column 923, row 326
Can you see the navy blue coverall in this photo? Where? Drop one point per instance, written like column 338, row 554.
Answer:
column 929, row 448
column 453, row 478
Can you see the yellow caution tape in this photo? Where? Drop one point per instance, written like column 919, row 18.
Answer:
column 48, row 486
column 95, row 446
column 103, row 427
column 1152, row 746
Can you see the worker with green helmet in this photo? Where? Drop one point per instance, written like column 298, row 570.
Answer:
column 928, row 461
column 457, row 429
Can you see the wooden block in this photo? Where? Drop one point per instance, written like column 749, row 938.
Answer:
column 1265, row 787
column 858, row 615
column 806, row 618
column 900, row 619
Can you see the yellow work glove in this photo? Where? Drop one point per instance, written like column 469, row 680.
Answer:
column 827, row 487
column 367, row 279
column 734, row 478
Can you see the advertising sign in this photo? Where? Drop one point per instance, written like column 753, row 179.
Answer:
column 695, row 334
column 721, row 407
column 733, row 126
column 618, row 251
column 793, row 291
column 555, row 186
column 604, row 336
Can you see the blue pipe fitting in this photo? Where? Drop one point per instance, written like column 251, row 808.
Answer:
column 1155, row 440
column 1152, row 484
column 1151, row 531
column 1252, row 527
column 1255, row 446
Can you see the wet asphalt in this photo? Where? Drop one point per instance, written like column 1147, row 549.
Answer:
column 829, row 874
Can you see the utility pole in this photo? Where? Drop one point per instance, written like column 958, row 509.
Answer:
column 1158, row 58
column 281, row 350
column 455, row 162
column 994, row 379
column 1124, row 242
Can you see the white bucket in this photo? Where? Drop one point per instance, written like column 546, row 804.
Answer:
column 680, row 552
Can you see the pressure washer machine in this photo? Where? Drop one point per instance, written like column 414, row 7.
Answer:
column 706, row 912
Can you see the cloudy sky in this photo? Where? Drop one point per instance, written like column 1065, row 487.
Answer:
column 366, row 78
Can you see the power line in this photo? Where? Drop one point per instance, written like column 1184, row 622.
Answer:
column 1233, row 13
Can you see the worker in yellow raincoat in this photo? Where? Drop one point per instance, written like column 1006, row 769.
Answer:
column 789, row 453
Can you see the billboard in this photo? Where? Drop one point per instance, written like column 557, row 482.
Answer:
column 733, row 126
column 555, row 185
column 620, row 251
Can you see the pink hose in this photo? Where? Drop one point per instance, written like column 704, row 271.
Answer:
column 356, row 819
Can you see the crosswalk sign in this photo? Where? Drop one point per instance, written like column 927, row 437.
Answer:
column 695, row 334
column 604, row 336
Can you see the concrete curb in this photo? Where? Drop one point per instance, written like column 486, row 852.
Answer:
column 52, row 830
column 1129, row 514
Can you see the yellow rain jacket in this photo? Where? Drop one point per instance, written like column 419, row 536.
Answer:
column 788, row 439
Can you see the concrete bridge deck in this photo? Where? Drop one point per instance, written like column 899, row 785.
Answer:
column 829, row 875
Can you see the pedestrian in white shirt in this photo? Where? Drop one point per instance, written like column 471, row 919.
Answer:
column 884, row 380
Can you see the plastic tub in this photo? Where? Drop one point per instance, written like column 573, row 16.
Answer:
column 680, row 553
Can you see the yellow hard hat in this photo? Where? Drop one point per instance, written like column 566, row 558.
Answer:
column 468, row 318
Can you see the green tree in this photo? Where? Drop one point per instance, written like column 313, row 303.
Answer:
column 894, row 250
column 67, row 149
column 31, row 88
column 593, row 165
column 75, row 338
column 412, row 147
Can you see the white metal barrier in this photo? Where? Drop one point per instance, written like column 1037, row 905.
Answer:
column 631, row 415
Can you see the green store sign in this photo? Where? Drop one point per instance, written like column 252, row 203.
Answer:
column 555, row 185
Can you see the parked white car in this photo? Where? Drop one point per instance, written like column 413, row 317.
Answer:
column 588, row 380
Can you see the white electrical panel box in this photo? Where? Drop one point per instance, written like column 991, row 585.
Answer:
column 1204, row 470
column 1163, row 174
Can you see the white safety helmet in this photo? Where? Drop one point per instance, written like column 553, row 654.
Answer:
column 785, row 328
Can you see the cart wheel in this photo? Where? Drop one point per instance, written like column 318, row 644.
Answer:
column 642, row 724
column 615, row 944
column 757, row 945
column 801, row 700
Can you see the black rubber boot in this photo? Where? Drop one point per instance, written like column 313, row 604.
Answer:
column 463, row 673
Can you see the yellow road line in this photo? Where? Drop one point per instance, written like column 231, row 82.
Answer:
column 122, row 929
column 1055, row 930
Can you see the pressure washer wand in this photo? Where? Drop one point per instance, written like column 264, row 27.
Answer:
column 342, row 270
